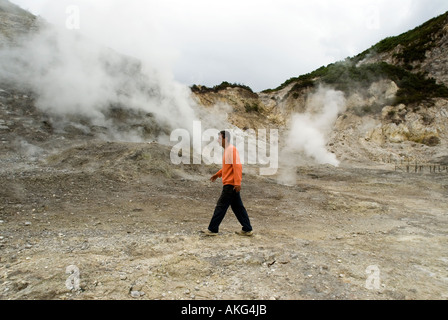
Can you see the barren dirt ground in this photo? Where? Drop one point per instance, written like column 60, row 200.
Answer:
column 128, row 222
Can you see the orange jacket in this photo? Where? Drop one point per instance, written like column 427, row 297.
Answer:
column 232, row 169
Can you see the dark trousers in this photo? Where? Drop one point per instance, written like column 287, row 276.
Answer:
column 229, row 197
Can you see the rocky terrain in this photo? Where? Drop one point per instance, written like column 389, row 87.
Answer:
column 129, row 222
column 96, row 210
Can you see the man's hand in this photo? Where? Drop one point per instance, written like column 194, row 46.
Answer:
column 237, row 188
column 213, row 178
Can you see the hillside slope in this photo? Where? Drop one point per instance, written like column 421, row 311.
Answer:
column 15, row 22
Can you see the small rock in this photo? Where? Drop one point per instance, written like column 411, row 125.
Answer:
column 22, row 285
column 27, row 223
column 136, row 294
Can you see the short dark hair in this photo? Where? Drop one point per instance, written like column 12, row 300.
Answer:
column 225, row 134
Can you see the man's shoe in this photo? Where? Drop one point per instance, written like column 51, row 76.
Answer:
column 208, row 233
column 245, row 233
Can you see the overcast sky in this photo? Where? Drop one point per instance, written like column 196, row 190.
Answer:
column 258, row 43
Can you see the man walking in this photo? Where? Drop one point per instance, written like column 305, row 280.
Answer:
column 231, row 174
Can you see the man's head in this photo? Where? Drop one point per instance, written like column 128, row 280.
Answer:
column 224, row 138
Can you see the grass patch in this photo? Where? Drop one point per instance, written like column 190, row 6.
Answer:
column 252, row 107
column 415, row 42
column 345, row 76
column 413, row 88
column 224, row 85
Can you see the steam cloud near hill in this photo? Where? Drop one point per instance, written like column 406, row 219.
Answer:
column 309, row 131
column 74, row 76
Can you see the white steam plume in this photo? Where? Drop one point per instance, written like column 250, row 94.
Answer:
column 309, row 131
column 74, row 76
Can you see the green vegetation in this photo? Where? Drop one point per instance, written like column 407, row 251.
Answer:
column 254, row 107
column 413, row 87
column 369, row 109
column 345, row 76
column 224, row 85
column 415, row 42
column 306, row 80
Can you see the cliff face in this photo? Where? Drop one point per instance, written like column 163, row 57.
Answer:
column 242, row 107
column 436, row 62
